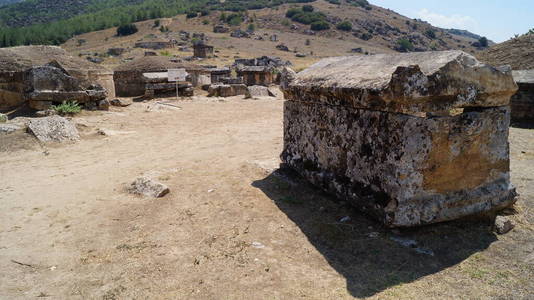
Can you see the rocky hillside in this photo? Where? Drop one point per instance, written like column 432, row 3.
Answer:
column 352, row 30
column 517, row 52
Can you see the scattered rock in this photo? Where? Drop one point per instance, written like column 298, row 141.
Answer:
column 258, row 245
column 300, row 55
column 503, row 224
column 103, row 104
column 121, row 102
column 148, row 187
column 255, row 91
column 282, row 47
column 274, row 91
column 3, row 118
column 408, row 243
column 46, row 113
column 53, row 129
column 344, row 219
column 9, row 128
column 373, row 234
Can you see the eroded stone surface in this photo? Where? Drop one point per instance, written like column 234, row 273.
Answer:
column 411, row 83
column 53, row 129
column 404, row 169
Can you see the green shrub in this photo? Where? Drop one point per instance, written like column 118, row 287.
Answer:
column 205, row 22
column 483, row 42
column 251, row 27
column 67, row 108
column 191, row 15
column 307, row 8
column 164, row 29
column 430, row 33
column 292, row 11
column 345, row 26
column 156, row 23
column 127, row 29
column 404, row 45
column 336, row 2
column 320, row 25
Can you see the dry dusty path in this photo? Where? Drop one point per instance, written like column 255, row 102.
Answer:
column 229, row 229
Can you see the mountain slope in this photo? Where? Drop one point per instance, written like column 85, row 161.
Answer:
column 517, row 52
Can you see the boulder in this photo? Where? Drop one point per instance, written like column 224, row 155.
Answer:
column 121, row 102
column 282, row 47
column 148, row 187
column 255, row 91
column 287, row 75
column 503, row 224
column 53, row 129
column 103, row 104
column 9, row 128
column 410, row 139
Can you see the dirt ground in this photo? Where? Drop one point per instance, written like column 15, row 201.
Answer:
column 231, row 227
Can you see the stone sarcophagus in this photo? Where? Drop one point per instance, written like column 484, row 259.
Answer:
column 410, row 139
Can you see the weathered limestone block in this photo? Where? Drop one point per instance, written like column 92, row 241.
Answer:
column 255, row 91
column 522, row 103
column 427, row 144
column 53, row 129
column 226, row 90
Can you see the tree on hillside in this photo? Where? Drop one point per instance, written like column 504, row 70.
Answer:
column 127, row 29
column 483, row 42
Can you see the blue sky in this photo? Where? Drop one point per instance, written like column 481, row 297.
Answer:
column 498, row 20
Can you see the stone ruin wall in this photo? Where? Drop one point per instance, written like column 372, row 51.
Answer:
column 129, row 83
column 522, row 103
column 11, row 89
column 403, row 166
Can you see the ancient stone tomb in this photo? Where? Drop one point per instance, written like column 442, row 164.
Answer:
column 522, row 103
column 408, row 138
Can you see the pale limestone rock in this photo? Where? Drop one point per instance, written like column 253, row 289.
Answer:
column 148, row 187
column 255, row 91
column 53, row 129
column 503, row 224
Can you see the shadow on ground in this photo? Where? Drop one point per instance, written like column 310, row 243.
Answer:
column 363, row 251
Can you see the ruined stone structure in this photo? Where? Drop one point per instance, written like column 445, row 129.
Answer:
column 410, row 138
column 158, row 84
column 130, row 82
column 217, row 74
column 156, row 45
column 227, row 90
column 27, row 74
column 202, row 50
column 256, row 75
column 522, row 103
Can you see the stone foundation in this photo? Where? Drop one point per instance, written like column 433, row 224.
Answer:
column 426, row 144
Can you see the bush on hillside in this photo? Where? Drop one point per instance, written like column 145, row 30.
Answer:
column 127, row 29
column 320, row 25
column 307, row 8
column 345, row 26
column 191, row 15
column 483, row 42
column 430, row 33
column 404, row 45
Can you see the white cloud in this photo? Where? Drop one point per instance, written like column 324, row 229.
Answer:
column 453, row 21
